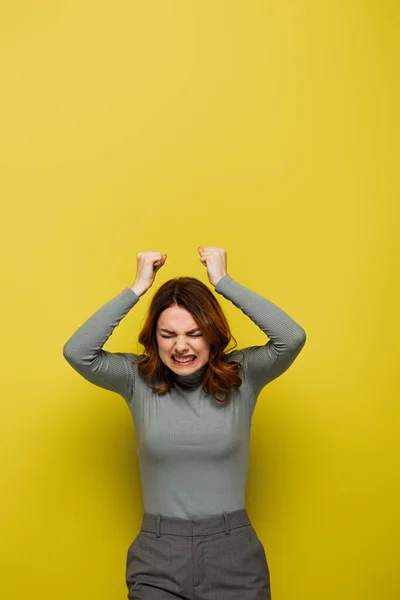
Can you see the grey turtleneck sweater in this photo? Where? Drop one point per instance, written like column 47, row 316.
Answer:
column 193, row 452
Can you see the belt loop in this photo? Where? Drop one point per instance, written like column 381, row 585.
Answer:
column 158, row 526
column 226, row 523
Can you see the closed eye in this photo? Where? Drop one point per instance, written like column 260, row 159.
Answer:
column 192, row 335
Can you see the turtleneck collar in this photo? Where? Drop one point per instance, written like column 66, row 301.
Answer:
column 193, row 379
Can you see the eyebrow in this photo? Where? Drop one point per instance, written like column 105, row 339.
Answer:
column 191, row 331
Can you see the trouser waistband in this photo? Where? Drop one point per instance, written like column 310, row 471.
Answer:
column 225, row 521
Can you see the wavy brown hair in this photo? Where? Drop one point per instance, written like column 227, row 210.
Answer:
column 190, row 293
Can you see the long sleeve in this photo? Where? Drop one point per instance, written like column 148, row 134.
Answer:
column 84, row 352
column 263, row 364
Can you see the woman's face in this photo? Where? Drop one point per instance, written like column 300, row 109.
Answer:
column 179, row 335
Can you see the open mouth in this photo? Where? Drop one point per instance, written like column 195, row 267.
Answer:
column 184, row 363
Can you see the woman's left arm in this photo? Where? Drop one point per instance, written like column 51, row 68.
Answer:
column 263, row 364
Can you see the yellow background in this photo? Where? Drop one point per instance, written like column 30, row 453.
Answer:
column 267, row 128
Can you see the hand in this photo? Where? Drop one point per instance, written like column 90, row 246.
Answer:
column 216, row 261
column 148, row 263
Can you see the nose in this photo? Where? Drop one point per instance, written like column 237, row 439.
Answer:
column 181, row 348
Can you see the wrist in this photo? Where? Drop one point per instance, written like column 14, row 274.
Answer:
column 216, row 281
column 138, row 289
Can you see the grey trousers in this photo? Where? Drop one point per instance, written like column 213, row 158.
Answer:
column 216, row 558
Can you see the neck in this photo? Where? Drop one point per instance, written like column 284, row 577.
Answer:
column 192, row 379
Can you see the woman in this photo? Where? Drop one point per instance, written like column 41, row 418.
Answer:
column 192, row 406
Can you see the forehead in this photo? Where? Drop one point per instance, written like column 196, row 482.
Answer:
column 176, row 317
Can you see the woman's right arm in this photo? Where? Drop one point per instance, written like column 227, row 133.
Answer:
column 84, row 350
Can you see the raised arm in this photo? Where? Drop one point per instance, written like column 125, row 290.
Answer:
column 263, row 364
column 84, row 350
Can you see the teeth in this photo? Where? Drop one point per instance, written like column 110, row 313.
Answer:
column 184, row 360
